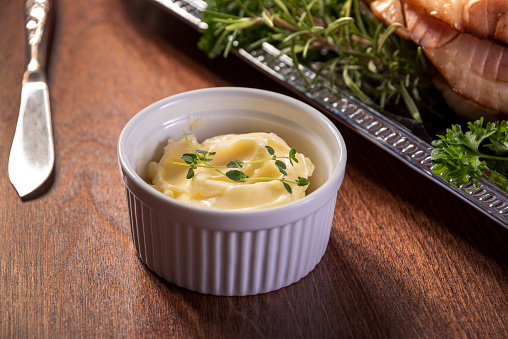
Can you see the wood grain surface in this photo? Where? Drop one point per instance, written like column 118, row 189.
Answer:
column 405, row 259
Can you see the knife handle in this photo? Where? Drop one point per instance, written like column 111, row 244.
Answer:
column 32, row 155
column 37, row 35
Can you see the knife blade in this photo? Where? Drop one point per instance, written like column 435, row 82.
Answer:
column 32, row 155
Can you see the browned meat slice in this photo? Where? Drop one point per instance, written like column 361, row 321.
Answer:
column 486, row 19
column 390, row 11
column 476, row 69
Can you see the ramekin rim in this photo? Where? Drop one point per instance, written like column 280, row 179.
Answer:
column 334, row 179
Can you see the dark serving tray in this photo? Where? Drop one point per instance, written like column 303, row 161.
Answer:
column 367, row 121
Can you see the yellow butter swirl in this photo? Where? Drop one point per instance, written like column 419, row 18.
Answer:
column 208, row 188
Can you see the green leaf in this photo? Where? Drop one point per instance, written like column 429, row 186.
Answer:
column 295, row 35
column 385, row 35
column 307, row 46
column 236, row 175
column 288, row 188
column 281, row 166
column 232, row 164
column 499, row 140
column 282, row 6
column 302, row 181
column 266, row 19
column 190, row 173
column 371, row 66
column 205, row 152
column 410, row 104
column 235, row 164
column 241, row 25
column 477, row 133
column 189, row 158
column 231, row 41
column 352, row 85
column 317, row 29
column 270, row 150
column 334, row 26
column 292, row 156
column 217, row 14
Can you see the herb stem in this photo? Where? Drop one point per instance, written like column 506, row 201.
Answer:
column 319, row 40
column 189, row 144
column 270, row 178
column 265, row 159
column 201, row 166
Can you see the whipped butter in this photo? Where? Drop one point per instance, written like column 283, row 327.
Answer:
column 208, row 188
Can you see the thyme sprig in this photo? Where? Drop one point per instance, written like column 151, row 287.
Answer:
column 201, row 159
column 338, row 38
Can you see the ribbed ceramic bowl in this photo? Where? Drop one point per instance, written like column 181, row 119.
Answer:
column 231, row 252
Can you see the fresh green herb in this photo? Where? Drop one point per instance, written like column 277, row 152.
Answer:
column 481, row 152
column 343, row 41
column 340, row 38
column 200, row 158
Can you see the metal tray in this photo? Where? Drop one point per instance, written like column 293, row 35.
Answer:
column 383, row 132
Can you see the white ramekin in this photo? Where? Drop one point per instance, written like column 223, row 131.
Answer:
column 231, row 252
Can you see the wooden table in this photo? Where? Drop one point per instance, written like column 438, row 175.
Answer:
column 405, row 257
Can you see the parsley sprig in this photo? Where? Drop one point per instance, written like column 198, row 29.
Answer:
column 480, row 152
column 201, row 159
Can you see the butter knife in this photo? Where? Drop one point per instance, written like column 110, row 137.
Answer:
column 32, row 153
